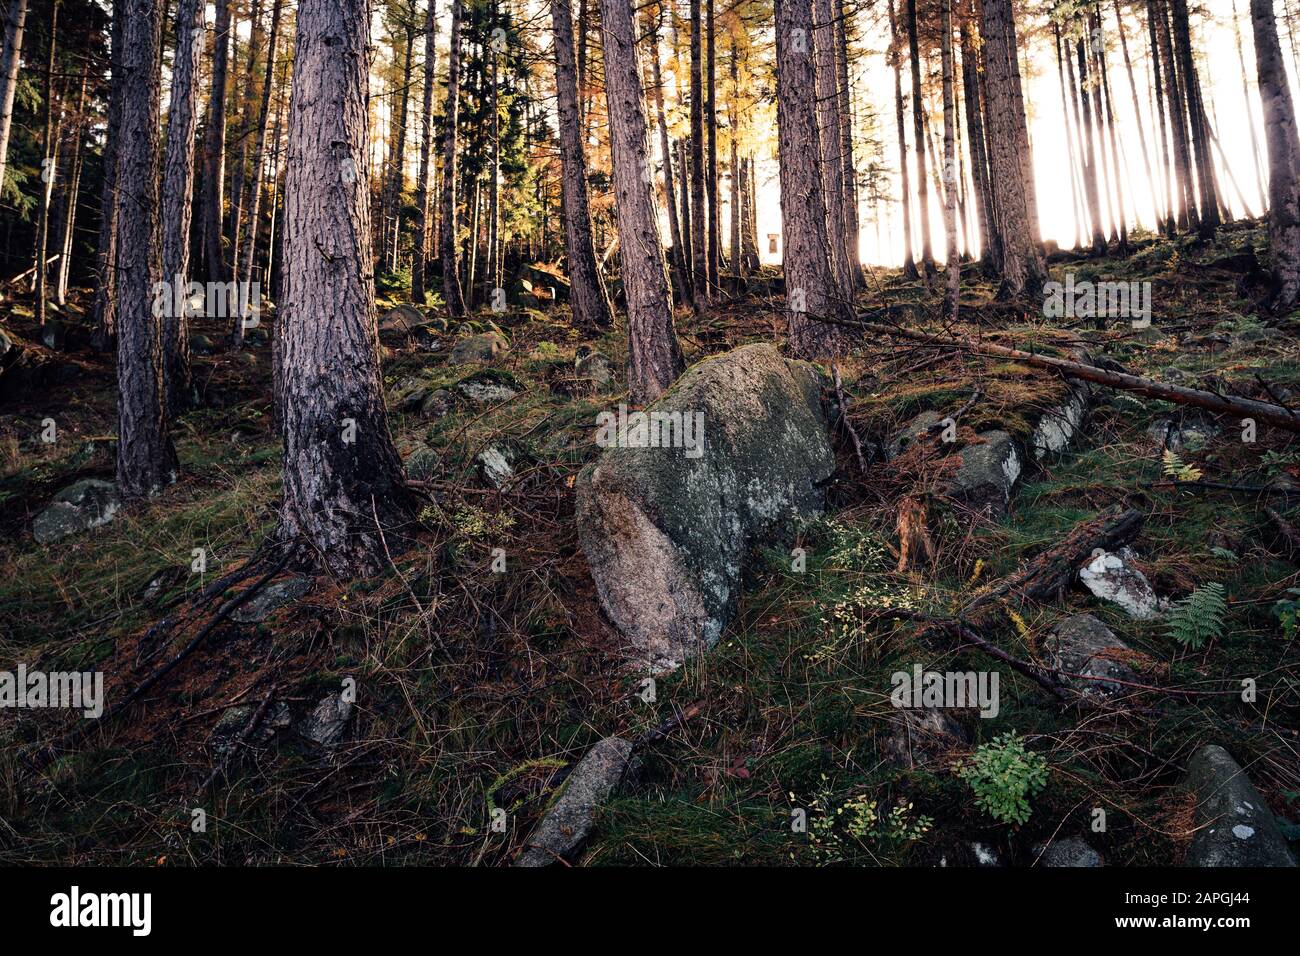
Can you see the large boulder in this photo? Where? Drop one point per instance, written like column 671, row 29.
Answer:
column 1059, row 426
column 1113, row 577
column 666, row 529
column 988, row 471
column 1081, row 644
column 1234, row 825
column 566, row 826
column 86, row 504
column 478, row 348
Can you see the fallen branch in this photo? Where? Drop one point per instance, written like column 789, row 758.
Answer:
column 1047, row 576
column 844, row 420
column 42, row 757
column 1275, row 415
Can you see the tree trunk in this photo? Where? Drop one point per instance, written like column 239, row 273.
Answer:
column 343, row 483
column 253, row 202
column 13, row 54
column 68, row 218
column 146, row 460
column 590, row 301
column 699, row 217
column 1137, row 112
column 810, row 287
column 1066, row 117
column 1209, row 196
column 1283, row 158
column 177, row 192
column 1187, row 215
column 737, row 266
column 1091, row 181
column 654, row 359
column 106, row 252
column 1166, row 174
column 1119, row 173
column 918, row 130
column 853, row 244
column 451, row 292
column 680, row 263
column 711, row 164
column 49, row 164
column 420, row 259
column 830, row 142
column 214, row 146
column 684, row 201
column 1023, row 268
column 953, row 288
column 909, row 256
column 978, row 148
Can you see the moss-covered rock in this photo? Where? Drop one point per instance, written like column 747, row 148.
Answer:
column 666, row 523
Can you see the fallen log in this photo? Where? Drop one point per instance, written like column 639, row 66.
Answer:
column 1266, row 412
column 1047, row 576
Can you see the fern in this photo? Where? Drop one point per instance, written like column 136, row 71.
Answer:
column 1198, row 618
column 1175, row 468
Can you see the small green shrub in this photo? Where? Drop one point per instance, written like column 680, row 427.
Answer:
column 1004, row 776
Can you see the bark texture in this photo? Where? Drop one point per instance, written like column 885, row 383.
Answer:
column 809, row 283
column 451, row 292
column 146, row 460
column 587, row 291
column 1283, row 157
column 343, row 481
column 177, row 190
column 654, row 358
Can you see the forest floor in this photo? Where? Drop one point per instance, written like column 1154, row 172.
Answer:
column 478, row 690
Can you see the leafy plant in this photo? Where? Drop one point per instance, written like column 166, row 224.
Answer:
column 1004, row 776
column 833, row 830
column 1174, row 467
column 1198, row 618
column 1287, row 611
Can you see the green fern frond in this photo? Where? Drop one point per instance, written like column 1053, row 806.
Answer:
column 1174, row 467
column 1198, row 618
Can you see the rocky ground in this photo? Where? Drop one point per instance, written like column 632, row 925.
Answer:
column 699, row 670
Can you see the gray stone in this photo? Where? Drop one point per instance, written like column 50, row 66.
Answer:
column 920, row 735
column 201, row 344
column 486, row 388
column 569, row 821
column 1081, row 644
column 594, row 367
column 422, row 463
column 1258, row 335
column 666, row 529
column 1164, row 433
column 496, row 464
column 270, row 599
column 437, row 403
column 988, row 472
column 327, row 721
column 1070, row 851
column 86, row 504
column 478, row 348
column 915, row 430
column 1059, row 426
column 402, row 318
column 232, row 723
column 1111, row 577
column 1235, row 827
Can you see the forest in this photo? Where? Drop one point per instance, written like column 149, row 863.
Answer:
column 521, row 433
